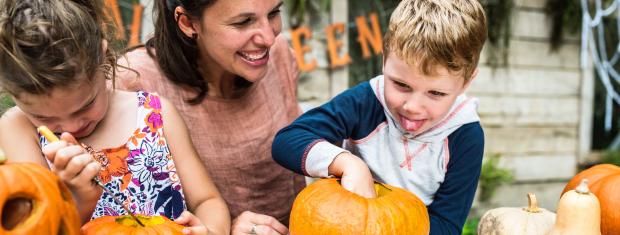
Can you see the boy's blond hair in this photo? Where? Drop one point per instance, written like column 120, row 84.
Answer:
column 427, row 33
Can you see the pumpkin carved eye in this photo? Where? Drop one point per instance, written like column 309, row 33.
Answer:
column 34, row 201
column 15, row 211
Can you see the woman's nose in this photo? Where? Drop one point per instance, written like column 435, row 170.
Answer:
column 266, row 34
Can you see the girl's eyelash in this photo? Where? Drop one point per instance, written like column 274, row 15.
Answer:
column 437, row 93
column 43, row 119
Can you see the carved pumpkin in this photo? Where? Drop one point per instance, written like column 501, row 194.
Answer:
column 530, row 220
column 325, row 207
column 579, row 213
column 604, row 182
column 33, row 200
column 127, row 225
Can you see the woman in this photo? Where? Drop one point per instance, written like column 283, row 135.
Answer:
column 233, row 78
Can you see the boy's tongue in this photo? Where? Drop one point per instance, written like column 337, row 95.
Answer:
column 410, row 125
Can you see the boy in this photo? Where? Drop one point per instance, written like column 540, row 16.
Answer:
column 412, row 127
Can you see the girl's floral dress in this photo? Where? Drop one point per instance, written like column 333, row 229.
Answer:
column 140, row 173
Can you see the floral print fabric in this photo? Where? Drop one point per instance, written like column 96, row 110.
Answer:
column 140, row 173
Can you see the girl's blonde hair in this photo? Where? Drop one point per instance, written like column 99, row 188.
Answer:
column 427, row 33
column 51, row 43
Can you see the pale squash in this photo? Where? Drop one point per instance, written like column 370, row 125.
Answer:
column 604, row 182
column 530, row 220
column 579, row 213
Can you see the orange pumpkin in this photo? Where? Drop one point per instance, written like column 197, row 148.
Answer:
column 127, row 225
column 34, row 201
column 604, row 182
column 325, row 207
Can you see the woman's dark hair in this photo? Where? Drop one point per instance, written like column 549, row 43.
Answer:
column 176, row 52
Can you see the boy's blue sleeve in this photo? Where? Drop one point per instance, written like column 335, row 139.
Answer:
column 453, row 199
column 351, row 114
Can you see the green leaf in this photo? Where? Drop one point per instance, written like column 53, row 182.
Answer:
column 492, row 176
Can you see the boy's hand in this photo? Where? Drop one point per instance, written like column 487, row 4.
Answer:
column 74, row 166
column 194, row 225
column 355, row 174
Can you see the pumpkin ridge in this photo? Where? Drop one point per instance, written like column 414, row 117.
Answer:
column 325, row 207
column 49, row 213
column 37, row 214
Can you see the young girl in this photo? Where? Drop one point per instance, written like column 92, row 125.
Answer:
column 54, row 62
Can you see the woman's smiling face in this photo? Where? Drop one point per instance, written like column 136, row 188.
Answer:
column 234, row 36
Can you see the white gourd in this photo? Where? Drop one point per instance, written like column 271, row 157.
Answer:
column 530, row 220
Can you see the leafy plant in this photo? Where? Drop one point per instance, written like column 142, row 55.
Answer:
column 298, row 10
column 564, row 15
column 499, row 13
column 5, row 102
column 471, row 226
column 491, row 177
column 611, row 156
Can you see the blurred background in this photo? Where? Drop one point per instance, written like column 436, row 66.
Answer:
column 547, row 109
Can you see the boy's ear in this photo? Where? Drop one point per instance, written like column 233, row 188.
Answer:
column 385, row 55
column 184, row 22
column 473, row 76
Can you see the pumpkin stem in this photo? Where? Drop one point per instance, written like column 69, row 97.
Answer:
column 532, row 204
column 582, row 188
column 2, row 157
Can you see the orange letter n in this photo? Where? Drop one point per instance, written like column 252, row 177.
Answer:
column 365, row 36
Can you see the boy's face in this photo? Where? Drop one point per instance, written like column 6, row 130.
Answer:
column 418, row 101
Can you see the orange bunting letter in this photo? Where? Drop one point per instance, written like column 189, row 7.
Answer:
column 333, row 45
column 300, row 49
column 136, row 24
column 366, row 36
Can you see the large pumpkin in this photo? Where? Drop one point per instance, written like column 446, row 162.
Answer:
column 33, row 200
column 325, row 208
column 604, row 182
column 127, row 225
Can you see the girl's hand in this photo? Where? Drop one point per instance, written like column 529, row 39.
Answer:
column 194, row 226
column 253, row 223
column 74, row 166
column 356, row 176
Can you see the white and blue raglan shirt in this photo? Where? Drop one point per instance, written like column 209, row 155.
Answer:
column 441, row 166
